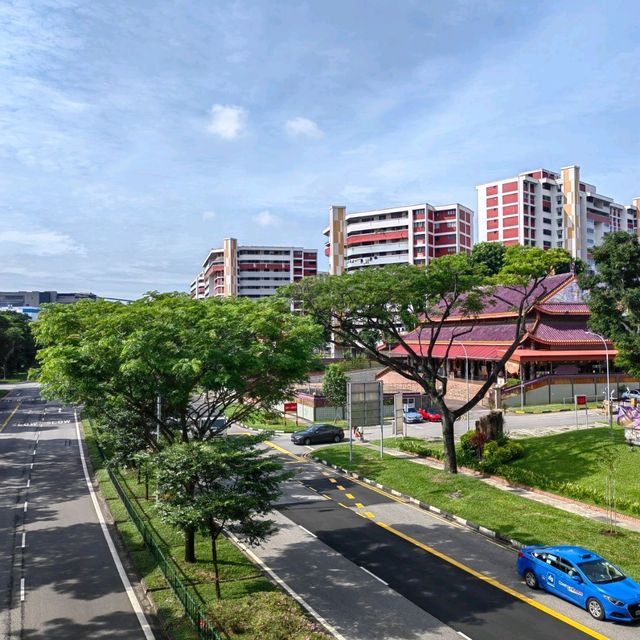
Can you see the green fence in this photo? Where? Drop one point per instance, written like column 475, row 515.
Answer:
column 192, row 607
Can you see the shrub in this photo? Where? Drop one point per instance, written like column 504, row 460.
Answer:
column 420, row 448
column 497, row 453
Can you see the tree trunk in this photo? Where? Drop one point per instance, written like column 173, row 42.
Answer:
column 214, row 558
column 450, row 463
column 189, row 545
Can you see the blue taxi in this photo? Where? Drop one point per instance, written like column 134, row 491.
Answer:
column 582, row 577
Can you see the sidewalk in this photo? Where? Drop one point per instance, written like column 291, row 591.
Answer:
column 565, row 504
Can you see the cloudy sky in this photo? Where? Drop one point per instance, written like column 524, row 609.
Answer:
column 136, row 135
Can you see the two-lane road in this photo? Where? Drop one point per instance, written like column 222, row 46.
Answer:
column 58, row 576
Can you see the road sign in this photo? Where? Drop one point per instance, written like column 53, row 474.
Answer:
column 581, row 400
column 290, row 407
column 365, row 409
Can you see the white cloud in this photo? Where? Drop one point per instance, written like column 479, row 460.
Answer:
column 303, row 127
column 209, row 215
column 39, row 243
column 267, row 219
column 227, row 121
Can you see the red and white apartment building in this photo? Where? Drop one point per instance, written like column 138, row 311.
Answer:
column 411, row 234
column 251, row 271
column 546, row 209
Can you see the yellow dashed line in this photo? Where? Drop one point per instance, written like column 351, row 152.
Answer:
column 359, row 505
column 369, row 514
column 325, row 473
column 350, row 496
column 340, row 487
column 333, row 480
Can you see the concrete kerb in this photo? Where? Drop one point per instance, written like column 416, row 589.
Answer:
column 494, row 535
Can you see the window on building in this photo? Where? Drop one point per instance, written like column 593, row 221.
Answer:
column 546, row 232
column 546, row 220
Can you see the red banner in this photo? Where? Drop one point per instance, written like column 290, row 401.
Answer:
column 291, row 407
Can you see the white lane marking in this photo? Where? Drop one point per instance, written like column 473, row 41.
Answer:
column 25, row 506
column 313, row 535
column 31, row 466
column 310, row 448
column 24, row 540
column 464, row 635
column 373, row 575
column 21, row 589
column 288, row 589
column 28, row 483
column 146, row 629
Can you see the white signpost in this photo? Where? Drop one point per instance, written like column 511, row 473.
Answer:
column 365, row 409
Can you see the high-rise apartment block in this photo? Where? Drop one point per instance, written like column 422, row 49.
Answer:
column 411, row 234
column 251, row 271
column 545, row 209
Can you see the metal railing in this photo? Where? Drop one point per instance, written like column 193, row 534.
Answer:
column 192, row 607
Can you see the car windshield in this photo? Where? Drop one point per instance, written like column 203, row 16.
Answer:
column 601, row 571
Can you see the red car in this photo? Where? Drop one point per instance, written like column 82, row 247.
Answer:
column 430, row 414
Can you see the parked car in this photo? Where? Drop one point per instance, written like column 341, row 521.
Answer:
column 582, row 577
column 430, row 414
column 412, row 416
column 318, row 433
column 630, row 394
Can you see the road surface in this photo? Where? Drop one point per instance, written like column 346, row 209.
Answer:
column 58, row 578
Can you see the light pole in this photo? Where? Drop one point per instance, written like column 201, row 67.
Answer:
column 466, row 369
column 606, row 355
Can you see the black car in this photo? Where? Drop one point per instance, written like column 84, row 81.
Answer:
column 317, row 433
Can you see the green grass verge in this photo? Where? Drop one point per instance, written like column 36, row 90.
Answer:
column 252, row 608
column 3, row 392
column 549, row 408
column 518, row 518
column 574, row 464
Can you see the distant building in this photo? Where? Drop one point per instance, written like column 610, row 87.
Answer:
column 409, row 234
column 36, row 298
column 545, row 209
column 251, row 271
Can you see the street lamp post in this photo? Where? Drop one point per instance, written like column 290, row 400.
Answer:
column 466, row 368
column 606, row 355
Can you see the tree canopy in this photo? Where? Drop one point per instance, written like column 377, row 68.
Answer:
column 371, row 309
column 489, row 254
column 334, row 387
column 614, row 296
column 202, row 357
column 226, row 484
column 17, row 348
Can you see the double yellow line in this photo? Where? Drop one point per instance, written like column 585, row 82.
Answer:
column 453, row 561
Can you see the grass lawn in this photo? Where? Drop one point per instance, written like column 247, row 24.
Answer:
column 3, row 392
column 547, row 408
column 515, row 517
column 252, row 608
column 576, row 457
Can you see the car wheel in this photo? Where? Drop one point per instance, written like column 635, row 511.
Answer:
column 337, row 438
column 595, row 609
column 307, row 442
column 530, row 579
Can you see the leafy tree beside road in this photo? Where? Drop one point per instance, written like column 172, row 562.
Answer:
column 222, row 485
column 371, row 308
column 17, row 348
column 200, row 357
column 614, row 296
column 334, row 387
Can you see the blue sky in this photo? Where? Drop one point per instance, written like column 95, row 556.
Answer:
column 134, row 136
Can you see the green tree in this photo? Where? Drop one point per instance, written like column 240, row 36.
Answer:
column 202, row 357
column 334, row 387
column 371, row 308
column 226, row 484
column 489, row 254
column 17, row 348
column 614, row 296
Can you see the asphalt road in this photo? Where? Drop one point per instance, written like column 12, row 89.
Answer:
column 58, row 579
column 447, row 578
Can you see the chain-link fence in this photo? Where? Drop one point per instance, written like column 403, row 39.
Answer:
column 192, row 607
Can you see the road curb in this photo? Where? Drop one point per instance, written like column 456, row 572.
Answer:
column 488, row 533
